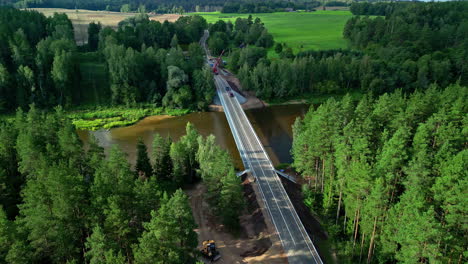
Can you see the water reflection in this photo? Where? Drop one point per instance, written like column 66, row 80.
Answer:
column 272, row 124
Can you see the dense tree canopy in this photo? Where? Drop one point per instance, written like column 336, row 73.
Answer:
column 270, row 6
column 245, row 32
column 37, row 59
column 40, row 62
column 412, row 47
column 78, row 206
column 387, row 174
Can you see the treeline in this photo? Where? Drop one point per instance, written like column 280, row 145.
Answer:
column 376, row 8
column 389, row 175
column 416, row 45
column 267, row 6
column 171, row 6
column 116, row 5
column 62, row 204
column 142, row 60
column 244, row 31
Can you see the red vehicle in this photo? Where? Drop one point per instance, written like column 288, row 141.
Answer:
column 217, row 62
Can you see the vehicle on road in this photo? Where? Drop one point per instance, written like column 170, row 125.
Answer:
column 231, row 94
column 217, row 63
column 227, row 88
column 209, row 250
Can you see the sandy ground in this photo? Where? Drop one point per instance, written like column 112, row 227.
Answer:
column 81, row 19
column 255, row 243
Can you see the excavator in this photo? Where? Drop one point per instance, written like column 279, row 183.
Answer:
column 209, row 250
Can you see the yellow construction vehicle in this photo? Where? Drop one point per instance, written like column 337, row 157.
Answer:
column 209, row 250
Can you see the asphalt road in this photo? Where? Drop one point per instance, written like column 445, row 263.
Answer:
column 296, row 242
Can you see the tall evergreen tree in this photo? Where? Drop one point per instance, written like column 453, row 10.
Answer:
column 143, row 166
column 169, row 236
column 161, row 157
column 190, row 141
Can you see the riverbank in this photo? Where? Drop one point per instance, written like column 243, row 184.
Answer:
column 108, row 117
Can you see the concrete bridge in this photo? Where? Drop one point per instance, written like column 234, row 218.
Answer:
column 294, row 238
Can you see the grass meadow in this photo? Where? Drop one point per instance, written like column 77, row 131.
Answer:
column 94, row 118
column 317, row 30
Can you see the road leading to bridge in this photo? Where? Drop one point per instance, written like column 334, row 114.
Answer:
column 296, row 242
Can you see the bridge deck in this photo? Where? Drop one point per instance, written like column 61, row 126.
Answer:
column 296, row 242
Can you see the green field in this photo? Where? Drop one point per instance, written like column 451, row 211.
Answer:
column 300, row 30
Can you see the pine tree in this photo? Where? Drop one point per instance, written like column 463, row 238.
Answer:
column 112, row 198
column 20, row 253
column 10, row 179
column 6, row 231
column 112, row 177
column 169, row 236
column 143, row 166
column 100, row 249
column 54, row 201
column 117, row 224
column 449, row 193
column 180, row 162
column 417, row 239
column 161, row 158
column 97, row 244
column 214, row 164
column 190, row 141
column 94, row 158
column 147, row 198
column 71, row 148
column 231, row 201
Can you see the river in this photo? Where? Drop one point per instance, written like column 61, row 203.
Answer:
column 272, row 125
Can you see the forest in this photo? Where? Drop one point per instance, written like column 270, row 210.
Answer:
column 61, row 203
column 417, row 45
column 142, row 62
column 388, row 174
column 268, row 6
column 376, row 9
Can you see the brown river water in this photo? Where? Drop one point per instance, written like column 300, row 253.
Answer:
column 272, row 125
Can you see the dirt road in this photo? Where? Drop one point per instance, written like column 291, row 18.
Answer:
column 254, row 244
